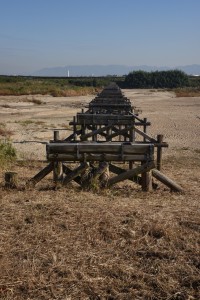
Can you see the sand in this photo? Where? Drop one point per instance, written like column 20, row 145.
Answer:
column 32, row 124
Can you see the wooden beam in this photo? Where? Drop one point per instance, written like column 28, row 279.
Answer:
column 76, row 172
column 73, row 135
column 146, row 136
column 167, row 181
column 100, row 170
column 96, row 157
column 39, row 176
column 98, row 131
column 131, row 173
column 67, row 171
column 137, row 179
column 119, row 132
column 93, row 147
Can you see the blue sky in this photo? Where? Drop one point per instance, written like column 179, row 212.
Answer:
column 35, row 34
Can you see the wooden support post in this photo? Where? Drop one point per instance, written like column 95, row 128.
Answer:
column 57, row 168
column 74, row 124
column 125, row 127
column 76, row 172
column 120, row 137
column 56, row 135
column 94, row 136
column 145, row 128
column 109, row 133
column 159, row 151
column 167, row 181
column 146, row 181
column 57, row 171
column 11, row 180
column 131, row 173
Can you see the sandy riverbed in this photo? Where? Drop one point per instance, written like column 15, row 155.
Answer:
column 178, row 119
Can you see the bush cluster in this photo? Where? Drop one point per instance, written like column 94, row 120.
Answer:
column 158, row 79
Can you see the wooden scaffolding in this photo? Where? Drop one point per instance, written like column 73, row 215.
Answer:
column 109, row 144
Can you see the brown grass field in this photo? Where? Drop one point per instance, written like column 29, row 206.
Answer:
column 121, row 243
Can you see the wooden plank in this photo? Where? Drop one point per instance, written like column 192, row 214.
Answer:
column 167, row 181
column 131, row 173
column 76, row 172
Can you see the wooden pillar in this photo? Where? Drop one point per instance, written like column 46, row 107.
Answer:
column 56, row 135
column 159, row 151
column 147, row 181
column 145, row 128
column 58, row 167
column 74, row 125
column 11, row 180
column 109, row 132
column 125, row 126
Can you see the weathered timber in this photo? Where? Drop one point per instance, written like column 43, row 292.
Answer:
column 119, row 132
column 137, row 179
column 73, row 135
column 167, row 181
column 39, row 176
column 97, row 157
column 76, row 172
column 131, row 173
column 67, row 171
column 146, row 136
column 93, row 147
column 146, row 181
column 159, row 152
column 57, row 169
column 90, row 127
column 95, row 132
column 11, row 180
column 104, row 119
column 103, row 166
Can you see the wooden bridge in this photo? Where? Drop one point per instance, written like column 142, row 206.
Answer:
column 109, row 144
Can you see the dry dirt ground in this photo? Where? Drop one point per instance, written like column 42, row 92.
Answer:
column 114, row 244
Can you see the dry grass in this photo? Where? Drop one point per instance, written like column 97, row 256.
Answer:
column 4, row 132
column 117, row 244
column 187, row 92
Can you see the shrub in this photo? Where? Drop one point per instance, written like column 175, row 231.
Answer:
column 7, row 152
column 157, row 79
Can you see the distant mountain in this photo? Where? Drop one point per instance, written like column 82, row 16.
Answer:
column 99, row 70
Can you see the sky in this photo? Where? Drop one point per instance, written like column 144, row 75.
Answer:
column 36, row 34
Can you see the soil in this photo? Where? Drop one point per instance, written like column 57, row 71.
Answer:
column 178, row 119
column 119, row 243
